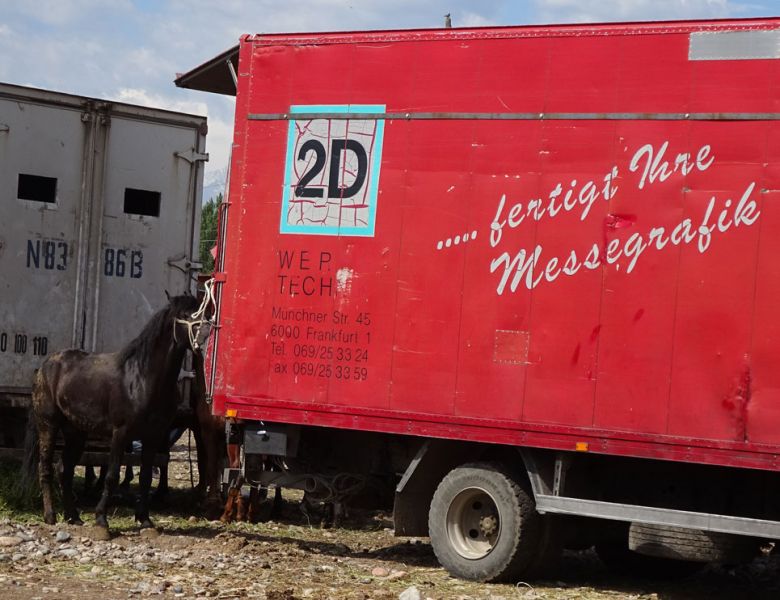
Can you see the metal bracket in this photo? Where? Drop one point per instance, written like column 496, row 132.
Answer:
column 232, row 72
column 539, row 470
column 191, row 156
column 412, row 467
column 184, row 264
column 562, row 462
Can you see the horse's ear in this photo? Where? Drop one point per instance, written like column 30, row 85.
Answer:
column 167, row 295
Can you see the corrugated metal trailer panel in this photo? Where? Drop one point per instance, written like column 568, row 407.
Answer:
column 100, row 206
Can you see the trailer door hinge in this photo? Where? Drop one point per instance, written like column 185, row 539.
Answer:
column 185, row 264
column 191, row 156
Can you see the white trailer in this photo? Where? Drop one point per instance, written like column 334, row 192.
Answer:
column 99, row 216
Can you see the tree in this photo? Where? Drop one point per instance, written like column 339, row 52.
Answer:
column 208, row 232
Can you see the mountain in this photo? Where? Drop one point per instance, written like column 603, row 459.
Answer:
column 214, row 183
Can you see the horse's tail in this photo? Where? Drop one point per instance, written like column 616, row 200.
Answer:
column 29, row 480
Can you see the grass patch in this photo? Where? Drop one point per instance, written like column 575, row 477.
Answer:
column 16, row 502
column 27, row 506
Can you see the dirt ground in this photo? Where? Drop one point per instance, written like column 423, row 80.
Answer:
column 287, row 558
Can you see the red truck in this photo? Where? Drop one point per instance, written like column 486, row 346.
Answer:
column 525, row 277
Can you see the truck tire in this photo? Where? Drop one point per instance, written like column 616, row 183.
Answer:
column 691, row 544
column 484, row 526
column 619, row 559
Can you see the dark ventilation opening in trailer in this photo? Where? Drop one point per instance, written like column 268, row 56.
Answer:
column 37, row 188
column 142, row 202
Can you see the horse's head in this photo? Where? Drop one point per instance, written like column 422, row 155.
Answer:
column 191, row 327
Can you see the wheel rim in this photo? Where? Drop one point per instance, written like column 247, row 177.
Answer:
column 473, row 524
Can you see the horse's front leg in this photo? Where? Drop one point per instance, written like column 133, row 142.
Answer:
column 118, row 441
column 148, row 452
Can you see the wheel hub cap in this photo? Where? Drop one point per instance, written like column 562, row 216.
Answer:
column 488, row 525
column 473, row 523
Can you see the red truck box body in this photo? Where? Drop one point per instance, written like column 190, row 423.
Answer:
column 563, row 237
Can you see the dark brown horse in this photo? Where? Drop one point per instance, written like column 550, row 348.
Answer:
column 208, row 430
column 125, row 396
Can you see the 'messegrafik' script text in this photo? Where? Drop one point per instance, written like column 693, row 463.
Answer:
column 529, row 266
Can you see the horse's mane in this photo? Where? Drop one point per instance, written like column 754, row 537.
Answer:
column 143, row 345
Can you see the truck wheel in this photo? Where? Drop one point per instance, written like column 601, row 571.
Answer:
column 484, row 526
column 691, row 544
column 618, row 558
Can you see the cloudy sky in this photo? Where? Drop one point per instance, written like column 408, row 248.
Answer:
column 130, row 50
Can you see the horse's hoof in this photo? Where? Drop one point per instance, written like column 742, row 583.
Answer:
column 149, row 532
column 50, row 519
column 100, row 534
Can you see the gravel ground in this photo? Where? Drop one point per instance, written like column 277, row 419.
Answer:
column 288, row 559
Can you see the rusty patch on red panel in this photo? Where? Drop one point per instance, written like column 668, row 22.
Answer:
column 511, row 346
column 738, row 401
